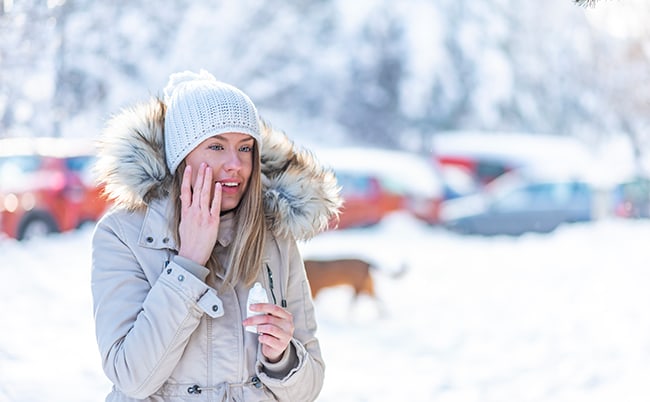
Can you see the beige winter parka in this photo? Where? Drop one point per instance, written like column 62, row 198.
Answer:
column 163, row 333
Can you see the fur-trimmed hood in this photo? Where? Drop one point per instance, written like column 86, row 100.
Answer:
column 301, row 196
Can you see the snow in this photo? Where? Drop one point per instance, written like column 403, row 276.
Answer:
column 559, row 317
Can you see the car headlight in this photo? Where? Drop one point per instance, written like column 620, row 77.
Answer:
column 10, row 202
column 28, row 201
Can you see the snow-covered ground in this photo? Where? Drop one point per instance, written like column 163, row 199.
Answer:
column 560, row 317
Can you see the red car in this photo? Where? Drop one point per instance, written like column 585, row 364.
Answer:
column 365, row 201
column 46, row 186
column 377, row 182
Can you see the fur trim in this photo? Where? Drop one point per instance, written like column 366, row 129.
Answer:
column 301, row 196
column 131, row 161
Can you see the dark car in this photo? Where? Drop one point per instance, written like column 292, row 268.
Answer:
column 46, row 186
column 515, row 204
column 632, row 198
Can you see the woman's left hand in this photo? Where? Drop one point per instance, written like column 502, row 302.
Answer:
column 274, row 327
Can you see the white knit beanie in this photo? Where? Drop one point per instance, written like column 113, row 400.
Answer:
column 199, row 107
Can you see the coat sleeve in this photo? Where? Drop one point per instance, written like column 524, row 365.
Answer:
column 141, row 328
column 303, row 381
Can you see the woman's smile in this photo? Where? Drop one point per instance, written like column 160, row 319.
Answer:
column 229, row 186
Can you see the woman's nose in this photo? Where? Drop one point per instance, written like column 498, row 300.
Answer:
column 233, row 162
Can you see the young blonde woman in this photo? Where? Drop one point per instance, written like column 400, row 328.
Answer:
column 207, row 202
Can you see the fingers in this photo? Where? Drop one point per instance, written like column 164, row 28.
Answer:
column 275, row 332
column 285, row 324
column 215, row 209
column 273, row 310
column 275, row 329
column 186, row 188
column 198, row 186
column 277, row 321
column 198, row 195
column 206, row 188
column 270, row 337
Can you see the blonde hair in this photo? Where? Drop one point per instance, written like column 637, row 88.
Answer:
column 246, row 250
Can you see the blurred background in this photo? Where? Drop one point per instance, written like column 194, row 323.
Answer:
column 475, row 127
column 381, row 72
column 440, row 80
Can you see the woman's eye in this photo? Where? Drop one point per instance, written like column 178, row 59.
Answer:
column 246, row 148
column 215, row 147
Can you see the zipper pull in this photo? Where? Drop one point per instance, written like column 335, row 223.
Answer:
column 270, row 274
column 283, row 302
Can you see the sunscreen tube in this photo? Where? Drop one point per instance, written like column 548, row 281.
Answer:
column 257, row 294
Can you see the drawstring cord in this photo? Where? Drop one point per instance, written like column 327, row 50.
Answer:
column 225, row 388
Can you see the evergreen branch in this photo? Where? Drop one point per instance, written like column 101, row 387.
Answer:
column 585, row 3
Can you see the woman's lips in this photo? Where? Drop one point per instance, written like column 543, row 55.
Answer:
column 229, row 186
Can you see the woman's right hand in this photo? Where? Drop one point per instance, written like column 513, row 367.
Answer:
column 200, row 215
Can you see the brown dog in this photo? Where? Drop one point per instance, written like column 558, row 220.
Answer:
column 353, row 272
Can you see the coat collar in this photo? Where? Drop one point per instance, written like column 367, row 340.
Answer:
column 156, row 234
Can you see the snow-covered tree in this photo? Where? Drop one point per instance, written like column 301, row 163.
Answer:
column 377, row 71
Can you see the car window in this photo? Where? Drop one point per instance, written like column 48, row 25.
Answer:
column 638, row 190
column 20, row 163
column 560, row 193
column 82, row 166
column 544, row 196
column 355, row 185
column 487, row 170
column 581, row 195
column 570, row 194
column 514, row 200
column 14, row 168
column 532, row 196
column 78, row 163
column 393, row 185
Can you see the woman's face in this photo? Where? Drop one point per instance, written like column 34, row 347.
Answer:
column 230, row 156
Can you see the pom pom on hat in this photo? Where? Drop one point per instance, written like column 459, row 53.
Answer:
column 177, row 79
column 200, row 107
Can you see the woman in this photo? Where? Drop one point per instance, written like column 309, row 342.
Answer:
column 199, row 216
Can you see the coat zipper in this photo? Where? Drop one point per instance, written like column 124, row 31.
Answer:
column 283, row 302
